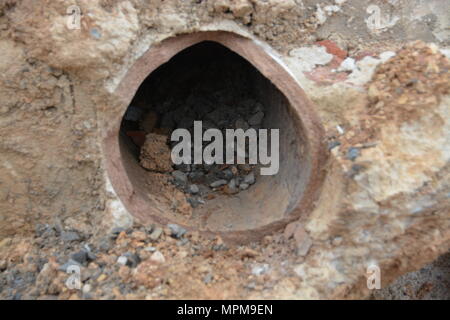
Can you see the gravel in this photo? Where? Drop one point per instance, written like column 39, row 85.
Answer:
column 176, row 230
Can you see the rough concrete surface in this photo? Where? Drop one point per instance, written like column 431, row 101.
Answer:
column 378, row 75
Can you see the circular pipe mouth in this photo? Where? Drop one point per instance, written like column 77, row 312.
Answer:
column 274, row 200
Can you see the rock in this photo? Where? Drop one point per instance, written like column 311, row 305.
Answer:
column 158, row 257
column 70, row 236
column 116, row 231
column 129, row 259
column 179, row 176
column 260, row 269
column 176, row 231
column 244, row 186
column 333, row 144
column 122, row 260
column 250, row 178
column 256, row 119
column 352, row 153
column 139, row 235
column 208, row 278
column 218, row 183
column 348, row 65
column 193, row 188
column 155, row 154
column 69, row 263
column 156, row 233
column 81, row 256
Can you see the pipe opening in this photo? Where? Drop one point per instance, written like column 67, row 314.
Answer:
column 210, row 83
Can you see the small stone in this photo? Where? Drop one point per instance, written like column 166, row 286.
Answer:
column 69, row 263
column 116, row 231
column 218, row 183
column 139, row 235
column 122, row 260
column 244, row 186
column 87, row 288
column 333, row 144
column 132, row 259
column 176, row 231
column 158, row 257
column 352, row 153
column 260, row 269
column 70, row 236
column 179, row 176
column 156, row 233
column 250, row 178
column 81, row 257
column 256, row 119
column 102, row 277
column 193, row 188
column 208, row 278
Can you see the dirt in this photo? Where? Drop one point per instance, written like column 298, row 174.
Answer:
column 402, row 90
column 57, row 93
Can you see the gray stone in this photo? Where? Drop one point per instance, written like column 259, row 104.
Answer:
column 69, row 263
column 260, row 269
column 176, row 230
column 156, row 233
column 179, row 176
column 352, row 153
column 70, row 236
column 244, row 186
column 193, row 188
column 80, row 256
column 218, row 183
column 250, row 178
column 132, row 259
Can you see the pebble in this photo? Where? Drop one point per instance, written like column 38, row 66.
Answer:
column 352, row 153
column 176, row 230
column 250, row 178
column 70, row 236
column 208, row 278
column 80, row 256
column 158, row 257
column 193, row 188
column 69, row 263
column 179, row 176
column 260, row 269
column 122, row 260
column 218, row 183
column 244, row 186
column 333, row 144
column 156, row 233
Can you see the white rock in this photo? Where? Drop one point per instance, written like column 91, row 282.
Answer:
column 158, row 257
column 349, row 64
column 122, row 260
